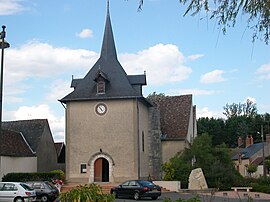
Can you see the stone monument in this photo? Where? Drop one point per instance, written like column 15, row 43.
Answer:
column 196, row 180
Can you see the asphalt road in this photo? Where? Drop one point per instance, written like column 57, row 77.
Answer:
column 203, row 198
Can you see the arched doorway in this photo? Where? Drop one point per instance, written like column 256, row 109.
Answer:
column 101, row 170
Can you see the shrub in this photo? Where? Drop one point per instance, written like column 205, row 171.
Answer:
column 24, row 177
column 86, row 193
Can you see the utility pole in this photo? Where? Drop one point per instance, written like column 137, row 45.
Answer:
column 264, row 173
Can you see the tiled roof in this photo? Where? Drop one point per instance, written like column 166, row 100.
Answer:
column 175, row 112
column 258, row 161
column 32, row 130
column 13, row 144
column 249, row 151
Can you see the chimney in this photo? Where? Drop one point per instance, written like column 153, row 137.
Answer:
column 239, row 141
column 267, row 138
column 247, row 141
column 251, row 140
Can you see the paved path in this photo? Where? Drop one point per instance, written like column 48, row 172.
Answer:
column 229, row 196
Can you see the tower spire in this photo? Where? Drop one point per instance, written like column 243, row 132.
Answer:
column 108, row 49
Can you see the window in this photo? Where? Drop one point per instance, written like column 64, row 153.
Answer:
column 101, row 86
column 143, row 141
column 83, row 168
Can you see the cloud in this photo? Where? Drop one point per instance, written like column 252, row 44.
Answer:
column 85, row 33
column 205, row 112
column 195, row 57
column 42, row 111
column 37, row 60
column 9, row 7
column 58, row 89
column 212, row 77
column 264, row 72
column 163, row 63
column 194, row 91
column 250, row 99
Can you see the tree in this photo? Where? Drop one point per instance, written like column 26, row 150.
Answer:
column 251, row 168
column 214, row 161
column 247, row 109
column 226, row 13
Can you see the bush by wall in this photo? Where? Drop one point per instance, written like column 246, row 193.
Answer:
column 24, row 177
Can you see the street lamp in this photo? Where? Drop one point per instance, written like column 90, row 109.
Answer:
column 263, row 155
column 3, row 45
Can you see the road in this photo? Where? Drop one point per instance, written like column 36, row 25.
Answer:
column 204, row 198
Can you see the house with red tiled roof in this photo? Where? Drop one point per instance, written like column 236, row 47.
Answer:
column 114, row 133
column 15, row 154
column 177, row 123
column 36, row 134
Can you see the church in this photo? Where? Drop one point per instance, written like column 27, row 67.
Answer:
column 114, row 133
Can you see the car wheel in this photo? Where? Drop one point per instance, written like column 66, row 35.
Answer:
column 136, row 195
column 154, row 198
column 18, row 200
column 44, row 198
column 114, row 193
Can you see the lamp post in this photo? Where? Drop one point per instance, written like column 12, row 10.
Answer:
column 3, row 45
column 264, row 173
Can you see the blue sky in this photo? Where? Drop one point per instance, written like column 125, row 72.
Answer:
column 53, row 40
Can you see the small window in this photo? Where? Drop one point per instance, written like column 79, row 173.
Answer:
column 83, row 168
column 100, row 86
column 143, row 141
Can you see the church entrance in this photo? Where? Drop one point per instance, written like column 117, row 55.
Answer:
column 101, row 170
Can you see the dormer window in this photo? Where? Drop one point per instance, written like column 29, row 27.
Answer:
column 100, row 85
column 101, row 79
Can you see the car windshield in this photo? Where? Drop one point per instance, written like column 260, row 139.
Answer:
column 146, row 183
column 26, row 187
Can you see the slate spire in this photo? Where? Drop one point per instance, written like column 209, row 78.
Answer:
column 108, row 50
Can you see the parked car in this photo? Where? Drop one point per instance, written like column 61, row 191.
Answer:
column 16, row 192
column 45, row 191
column 137, row 189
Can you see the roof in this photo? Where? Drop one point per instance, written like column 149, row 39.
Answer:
column 175, row 112
column 58, row 146
column 32, row 130
column 13, row 144
column 249, row 151
column 120, row 85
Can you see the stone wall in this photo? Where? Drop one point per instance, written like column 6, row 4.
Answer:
column 155, row 150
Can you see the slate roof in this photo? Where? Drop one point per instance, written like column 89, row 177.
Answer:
column 13, row 144
column 249, row 151
column 174, row 115
column 32, row 130
column 58, row 146
column 120, row 86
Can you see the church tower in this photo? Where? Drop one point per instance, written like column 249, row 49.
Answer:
column 107, row 121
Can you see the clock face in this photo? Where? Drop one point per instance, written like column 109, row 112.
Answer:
column 101, row 108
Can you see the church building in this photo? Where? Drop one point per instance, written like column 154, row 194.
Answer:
column 114, row 133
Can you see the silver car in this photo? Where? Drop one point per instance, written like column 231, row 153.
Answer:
column 16, row 192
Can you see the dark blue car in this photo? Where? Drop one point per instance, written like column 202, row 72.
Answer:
column 137, row 189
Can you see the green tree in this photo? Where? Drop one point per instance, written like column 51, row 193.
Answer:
column 214, row 161
column 247, row 109
column 251, row 168
column 227, row 12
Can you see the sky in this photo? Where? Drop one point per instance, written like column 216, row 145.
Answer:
column 51, row 41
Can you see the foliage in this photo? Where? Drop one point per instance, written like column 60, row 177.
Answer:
column 214, row 161
column 86, row 193
column 252, row 168
column 168, row 170
column 227, row 131
column 60, row 173
column 226, row 13
column 248, row 109
column 23, row 177
column 154, row 95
